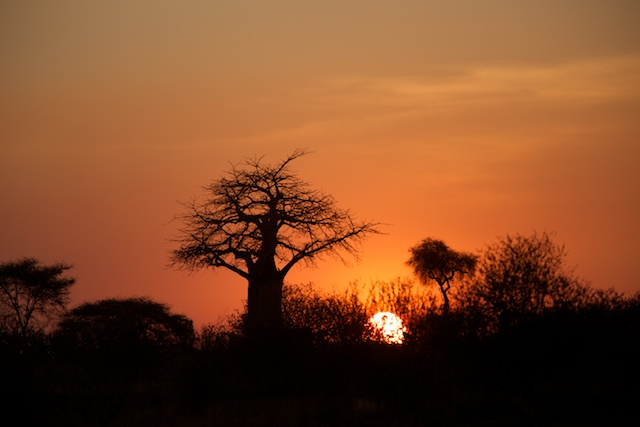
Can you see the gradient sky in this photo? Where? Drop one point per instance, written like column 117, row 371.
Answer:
column 461, row 120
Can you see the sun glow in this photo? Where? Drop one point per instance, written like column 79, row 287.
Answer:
column 387, row 327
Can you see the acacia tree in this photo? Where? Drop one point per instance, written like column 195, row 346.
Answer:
column 433, row 261
column 259, row 221
column 31, row 295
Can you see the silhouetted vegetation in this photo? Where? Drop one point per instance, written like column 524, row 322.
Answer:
column 433, row 261
column 521, row 278
column 32, row 296
column 123, row 328
column 525, row 342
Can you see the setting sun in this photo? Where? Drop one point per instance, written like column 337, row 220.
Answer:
column 388, row 327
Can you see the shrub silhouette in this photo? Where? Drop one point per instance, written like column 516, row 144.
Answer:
column 326, row 318
column 126, row 327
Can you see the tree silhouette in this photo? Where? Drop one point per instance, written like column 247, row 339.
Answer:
column 433, row 260
column 258, row 222
column 32, row 295
column 520, row 277
column 124, row 325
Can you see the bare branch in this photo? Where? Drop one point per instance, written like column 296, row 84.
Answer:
column 259, row 211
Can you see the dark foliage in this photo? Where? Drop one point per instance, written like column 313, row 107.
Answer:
column 568, row 367
column 123, row 328
column 324, row 318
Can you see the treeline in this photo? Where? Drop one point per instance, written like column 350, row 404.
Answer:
column 522, row 341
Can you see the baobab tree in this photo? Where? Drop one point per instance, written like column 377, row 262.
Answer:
column 259, row 221
column 433, row 261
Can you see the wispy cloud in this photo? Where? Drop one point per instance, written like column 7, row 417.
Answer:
column 587, row 80
column 482, row 104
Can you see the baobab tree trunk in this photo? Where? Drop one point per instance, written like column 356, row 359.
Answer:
column 264, row 304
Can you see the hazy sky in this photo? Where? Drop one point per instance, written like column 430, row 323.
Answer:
column 461, row 120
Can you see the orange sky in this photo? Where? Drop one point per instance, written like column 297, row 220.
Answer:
column 461, row 120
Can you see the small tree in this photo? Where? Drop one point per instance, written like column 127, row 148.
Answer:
column 32, row 295
column 258, row 222
column 433, row 261
column 520, row 277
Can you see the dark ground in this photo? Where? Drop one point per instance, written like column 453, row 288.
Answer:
column 556, row 376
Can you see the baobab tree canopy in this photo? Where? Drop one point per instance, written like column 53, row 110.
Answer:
column 259, row 221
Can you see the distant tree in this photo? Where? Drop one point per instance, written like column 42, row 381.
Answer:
column 433, row 261
column 258, row 222
column 32, row 295
column 125, row 325
column 520, row 277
